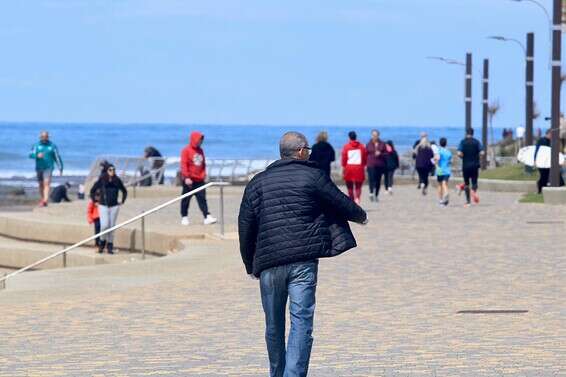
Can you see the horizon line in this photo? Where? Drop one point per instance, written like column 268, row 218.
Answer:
column 205, row 124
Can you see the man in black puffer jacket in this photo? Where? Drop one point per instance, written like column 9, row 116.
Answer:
column 291, row 215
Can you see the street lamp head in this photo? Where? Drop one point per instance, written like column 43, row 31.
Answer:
column 498, row 37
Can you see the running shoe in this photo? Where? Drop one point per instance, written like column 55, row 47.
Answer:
column 460, row 188
column 185, row 221
column 390, row 190
column 475, row 197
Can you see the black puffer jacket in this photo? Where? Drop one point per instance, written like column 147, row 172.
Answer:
column 293, row 212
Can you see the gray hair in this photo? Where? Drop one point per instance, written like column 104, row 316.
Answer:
column 291, row 143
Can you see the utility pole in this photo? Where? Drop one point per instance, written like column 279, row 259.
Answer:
column 530, row 89
column 485, row 102
column 556, row 83
column 468, row 91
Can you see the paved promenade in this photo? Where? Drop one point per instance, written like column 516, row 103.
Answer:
column 388, row 308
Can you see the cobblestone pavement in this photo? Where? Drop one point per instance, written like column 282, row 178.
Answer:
column 388, row 308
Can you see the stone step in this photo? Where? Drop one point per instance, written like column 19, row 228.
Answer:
column 17, row 254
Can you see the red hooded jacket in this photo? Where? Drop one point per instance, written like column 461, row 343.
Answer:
column 193, row 164
column 354, row 161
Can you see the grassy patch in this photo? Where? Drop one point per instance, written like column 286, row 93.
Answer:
column 509, row 173
column 531, row 198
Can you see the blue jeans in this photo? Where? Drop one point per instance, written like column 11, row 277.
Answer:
column 298, row 282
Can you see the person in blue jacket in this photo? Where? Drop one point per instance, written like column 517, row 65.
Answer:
column 46, row 156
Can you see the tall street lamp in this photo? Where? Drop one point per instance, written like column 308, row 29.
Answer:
column 556, row 83
column 529, row 81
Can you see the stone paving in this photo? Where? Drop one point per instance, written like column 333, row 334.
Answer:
column 388, row 308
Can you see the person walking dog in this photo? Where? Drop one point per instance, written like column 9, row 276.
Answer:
column 291, row 215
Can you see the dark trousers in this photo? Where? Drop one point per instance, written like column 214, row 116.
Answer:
column 96, row 231
column 470, row 176
column 389, row 178
column 374, row 178
column 201, row 199
column 297, row 283
column 423, row 176
column 543, row 179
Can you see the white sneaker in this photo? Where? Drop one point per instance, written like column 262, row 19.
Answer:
column 390, row 191
column 209, row 220
column 185, row 221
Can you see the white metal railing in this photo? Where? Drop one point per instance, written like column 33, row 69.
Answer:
column 141, row 217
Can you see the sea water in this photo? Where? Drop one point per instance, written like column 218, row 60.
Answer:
column 80, row 144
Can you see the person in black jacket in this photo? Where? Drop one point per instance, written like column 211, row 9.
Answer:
column 391, row 164
column 543, row 173
column 291, row 215
column 323, row 153
column 60, row 193
column 109, row 186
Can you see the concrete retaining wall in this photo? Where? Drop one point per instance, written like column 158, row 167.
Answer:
column 68, row 234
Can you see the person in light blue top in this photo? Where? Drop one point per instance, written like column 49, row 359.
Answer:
column 46, row 156
column 443, row 171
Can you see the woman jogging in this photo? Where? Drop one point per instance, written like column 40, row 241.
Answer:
column 423, row 163
column 376, row 154
column 109, row 186
column 354, row 160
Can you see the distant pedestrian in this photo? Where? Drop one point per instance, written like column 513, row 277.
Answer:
column 93, row 215
column 193, row 173
column 354, row 161
column 46, row 156
column 443, row 171
column 543, row 173
column 323, row 153
column 156, row 164
column 392, row 164
column 376, row 164
column 423, row 163
column 470, row 150
column 108, row 186
column 291, row 215
column 60, row 193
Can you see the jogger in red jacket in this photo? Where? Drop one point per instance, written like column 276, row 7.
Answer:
column 354, row 161
column 193, row 175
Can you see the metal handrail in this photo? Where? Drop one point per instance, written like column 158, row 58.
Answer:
column 118, row 226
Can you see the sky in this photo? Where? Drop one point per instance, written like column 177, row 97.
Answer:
column 281, row 62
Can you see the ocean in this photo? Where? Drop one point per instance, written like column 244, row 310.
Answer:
column 80, row 143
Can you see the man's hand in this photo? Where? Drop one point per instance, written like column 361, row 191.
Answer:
column 40, row 155
column 188, row 181
column 252, row 276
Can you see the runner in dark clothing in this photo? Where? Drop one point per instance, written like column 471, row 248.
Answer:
column 392, row 164
column 376, row 164
column 469, row 151
column 323, row 153
column 423, row 163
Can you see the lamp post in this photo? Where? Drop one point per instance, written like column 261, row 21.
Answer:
column 468, row 91
column 556, row 83
column 485, row 108
column 529, row 81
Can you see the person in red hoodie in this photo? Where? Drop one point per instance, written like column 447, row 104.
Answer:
column 354, row 161
column 193, row 174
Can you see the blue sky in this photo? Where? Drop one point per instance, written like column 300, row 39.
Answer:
column 319, row 62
